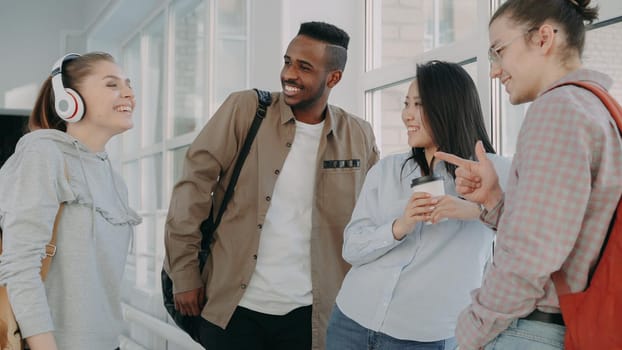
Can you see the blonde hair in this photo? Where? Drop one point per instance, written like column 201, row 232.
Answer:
column 571, row 15
column 43, row 114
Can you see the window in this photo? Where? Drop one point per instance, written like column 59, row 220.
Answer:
column 152, row 184
column 231, row 48
column 402, row 30
column 391, row 99
column 189, row 65
column 439, row 27
column 145, row 262
column 404, row 33
column 603, row 50
column 131, row 65
column 183, row 62
column 152, row 99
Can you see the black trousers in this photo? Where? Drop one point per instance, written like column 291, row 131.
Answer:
column 251, row 330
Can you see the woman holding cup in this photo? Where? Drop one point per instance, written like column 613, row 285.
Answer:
column 409, row 280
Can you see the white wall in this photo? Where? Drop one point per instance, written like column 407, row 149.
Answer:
column 266, row 49
column 32, row 37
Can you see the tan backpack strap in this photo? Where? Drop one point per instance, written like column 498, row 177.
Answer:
column 50, row 248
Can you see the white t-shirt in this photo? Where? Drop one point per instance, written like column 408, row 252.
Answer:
column 282, row 278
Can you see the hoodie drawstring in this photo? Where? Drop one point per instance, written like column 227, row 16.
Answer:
column 88, row 186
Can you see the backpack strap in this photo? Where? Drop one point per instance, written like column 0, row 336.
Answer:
column 50, row 248
column 559, row 277
column 612, row 105
column 209, row 225
column 264, row 98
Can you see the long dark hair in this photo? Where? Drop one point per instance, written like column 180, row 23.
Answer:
column 452, row 112
column 571, row 15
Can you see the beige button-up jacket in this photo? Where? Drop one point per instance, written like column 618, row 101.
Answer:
column 347, row 150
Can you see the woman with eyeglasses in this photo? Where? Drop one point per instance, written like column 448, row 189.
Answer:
column 415, row 256
column 564, row 184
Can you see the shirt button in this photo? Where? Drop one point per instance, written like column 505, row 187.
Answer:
column 289, row 144
column 259, row 226
column 277, row 171
column 243, row 286
column 268, row 198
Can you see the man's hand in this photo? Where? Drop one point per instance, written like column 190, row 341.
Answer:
column 475, row 181
column 451, row 207
column 190, row 303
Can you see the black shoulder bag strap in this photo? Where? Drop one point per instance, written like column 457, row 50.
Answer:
column 209, row 225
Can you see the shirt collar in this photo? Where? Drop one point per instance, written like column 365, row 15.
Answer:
column 287, row 115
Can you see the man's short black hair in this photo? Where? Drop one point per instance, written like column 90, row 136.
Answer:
column 336, row 38
column 325, row 32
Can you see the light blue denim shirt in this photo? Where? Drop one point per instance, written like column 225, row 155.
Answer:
column 415, row 288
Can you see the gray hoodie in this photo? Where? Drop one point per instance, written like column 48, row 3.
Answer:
column 80, row 301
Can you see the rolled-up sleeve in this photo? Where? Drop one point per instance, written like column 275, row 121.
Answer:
column 208, row 157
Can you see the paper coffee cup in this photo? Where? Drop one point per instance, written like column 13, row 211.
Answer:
column 432, row 184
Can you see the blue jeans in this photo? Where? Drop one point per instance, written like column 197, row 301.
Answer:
column 532, row 335
column 345, row 334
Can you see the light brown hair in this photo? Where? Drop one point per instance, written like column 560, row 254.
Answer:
column 43, row 114
column 571, row 15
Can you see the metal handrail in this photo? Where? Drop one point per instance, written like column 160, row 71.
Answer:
column 157, row 326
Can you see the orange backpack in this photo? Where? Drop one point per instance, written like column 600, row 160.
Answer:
column 593, row 317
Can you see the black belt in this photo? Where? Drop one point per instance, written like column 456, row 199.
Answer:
column 538, row 315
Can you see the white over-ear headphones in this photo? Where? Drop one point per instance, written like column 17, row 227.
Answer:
column 67, row 102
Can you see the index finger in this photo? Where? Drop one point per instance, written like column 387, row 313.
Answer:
column 453, row 159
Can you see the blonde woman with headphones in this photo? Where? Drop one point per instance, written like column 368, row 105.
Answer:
column 83, row 103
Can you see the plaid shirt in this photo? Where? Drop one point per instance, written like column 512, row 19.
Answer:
column 563, row 187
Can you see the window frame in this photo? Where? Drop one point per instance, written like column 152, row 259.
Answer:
column 142, row 246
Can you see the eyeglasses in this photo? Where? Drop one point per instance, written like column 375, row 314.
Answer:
column 494, row 53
